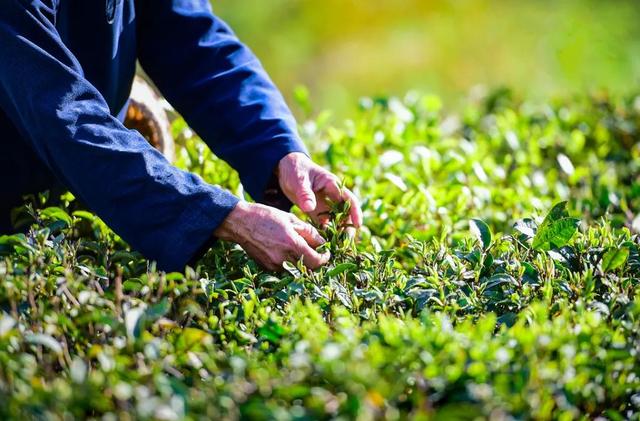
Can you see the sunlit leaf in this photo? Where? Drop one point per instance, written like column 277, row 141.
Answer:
column 614, row 258
column 341, row 268
column 481, row 231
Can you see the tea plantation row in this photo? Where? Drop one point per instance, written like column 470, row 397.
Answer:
column 498, row 277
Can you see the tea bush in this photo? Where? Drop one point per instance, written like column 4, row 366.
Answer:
column 497, row 277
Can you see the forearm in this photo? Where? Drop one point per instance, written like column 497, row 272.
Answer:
column 161, row 211
column 219, row 86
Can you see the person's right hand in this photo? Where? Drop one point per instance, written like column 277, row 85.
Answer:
column 271, row 236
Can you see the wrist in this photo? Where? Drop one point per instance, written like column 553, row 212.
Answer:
column 290, row 159
column 230, row 228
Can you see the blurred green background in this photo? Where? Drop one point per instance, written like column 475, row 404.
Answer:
column 344, row 49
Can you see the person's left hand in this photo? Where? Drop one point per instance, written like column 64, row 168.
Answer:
column 311, row 187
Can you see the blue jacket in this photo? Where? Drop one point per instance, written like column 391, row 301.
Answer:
column 66, row 68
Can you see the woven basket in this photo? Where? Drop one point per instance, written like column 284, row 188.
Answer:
column 147, row 114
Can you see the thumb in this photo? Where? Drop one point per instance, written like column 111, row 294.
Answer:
column 305, row 197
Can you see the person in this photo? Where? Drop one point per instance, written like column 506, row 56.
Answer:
column 66, row 68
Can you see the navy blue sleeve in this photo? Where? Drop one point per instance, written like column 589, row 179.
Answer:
column 219, row 86
column 165, row 213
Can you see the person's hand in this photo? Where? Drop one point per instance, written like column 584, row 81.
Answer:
column 311, row 187
column 271, row 236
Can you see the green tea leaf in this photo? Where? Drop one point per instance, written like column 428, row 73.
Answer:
column 614, row 258
column 557, row 234
column 84, row 215
column 192, row 337
column 481, row 231
column 341, row 268
column 248, row 306
column 556, row 230
column 132, row 285
column 526, row 227
column 559, row 211
column 500, row 279
column 271, row 331
column 57, row 214
column 292, row 269
column 157, row 310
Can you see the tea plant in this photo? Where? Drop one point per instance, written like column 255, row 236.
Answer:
column 497, row 277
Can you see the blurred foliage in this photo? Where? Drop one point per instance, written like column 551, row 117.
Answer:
column 343, row 49
column 460, row 301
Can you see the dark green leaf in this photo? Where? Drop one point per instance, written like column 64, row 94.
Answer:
column 481, row 231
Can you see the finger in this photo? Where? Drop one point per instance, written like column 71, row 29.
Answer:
column 308, row 232
column 331, row 187
column 305, row 197
column 263, row 259
column 311, row 258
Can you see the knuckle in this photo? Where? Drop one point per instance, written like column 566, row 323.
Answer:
column 332, row 179
column 295, row 220
column 301, row 178
column 292, row 237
